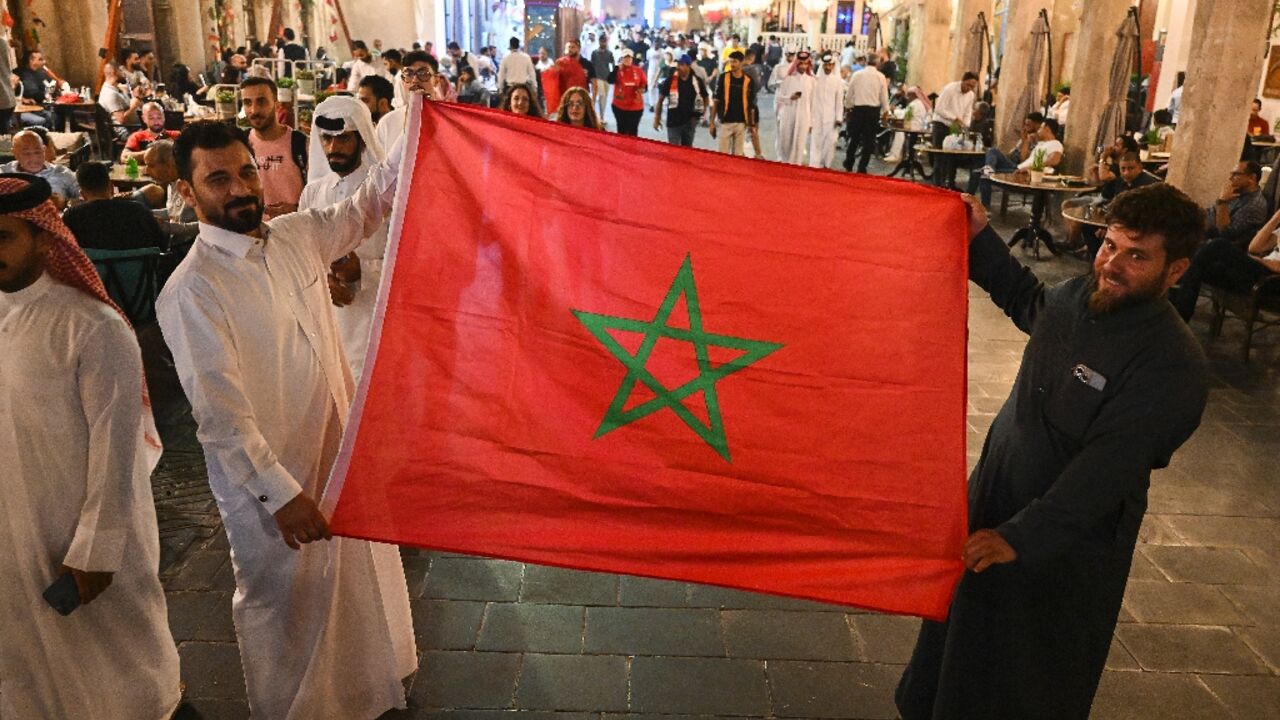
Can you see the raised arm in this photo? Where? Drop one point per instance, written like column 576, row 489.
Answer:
column 1013, row 287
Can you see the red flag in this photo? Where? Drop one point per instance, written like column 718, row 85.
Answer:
column 612, row 354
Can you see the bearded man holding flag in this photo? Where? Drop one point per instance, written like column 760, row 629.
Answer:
column 324, row 629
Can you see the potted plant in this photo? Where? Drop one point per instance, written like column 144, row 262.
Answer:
column 306, row 82
column 225, row 102
column 1037, row 165
column 284, row 89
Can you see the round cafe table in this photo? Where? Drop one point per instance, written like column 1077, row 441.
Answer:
column 1090, row 215
column 121, row 181
column 909, row 165
column 1035, row 234
column 955, row 155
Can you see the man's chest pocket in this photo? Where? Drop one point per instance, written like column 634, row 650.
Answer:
column 1075, row 400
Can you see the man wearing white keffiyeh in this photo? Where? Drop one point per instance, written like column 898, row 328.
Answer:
column 343, row 148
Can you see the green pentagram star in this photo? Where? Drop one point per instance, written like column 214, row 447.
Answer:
column 711, row 433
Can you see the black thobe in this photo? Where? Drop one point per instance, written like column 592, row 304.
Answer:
column 1099, row 401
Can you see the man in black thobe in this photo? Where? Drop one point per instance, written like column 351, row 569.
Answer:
column 1111, row 383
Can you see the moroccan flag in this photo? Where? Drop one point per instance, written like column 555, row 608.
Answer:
column 605, row 353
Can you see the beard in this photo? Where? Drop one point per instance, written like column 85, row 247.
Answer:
column 18, row 277
column 344, row 164
column 240, row 216
column 1107, row 298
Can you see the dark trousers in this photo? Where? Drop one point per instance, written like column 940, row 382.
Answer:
column 864, row 123
column 1219, row 262
column 998, row 162
column 682, row 134
column 628, row 120
column 939, row 130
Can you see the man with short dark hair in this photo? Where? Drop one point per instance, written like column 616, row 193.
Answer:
column 33, row 74
column 1224, row 264
column 733, row 107
column 106, row 222
column 377, row 94
column 999, row 162
column 954, row 106
column 684, row 94
column 517, row 69
column 603, row 63
column 292, row 50
column 418, row 75
column 1241, row 208
column 867, row 96
column 363, row 64
column 1131, row 175
column 324, row 631
column 1257, row 124
column 1111, row 384
column 280, row 150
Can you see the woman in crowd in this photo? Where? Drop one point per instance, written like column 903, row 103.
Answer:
column 519, row 99
column 575, row 109
column 180, row 82
column 629, row 85
column 470, row 91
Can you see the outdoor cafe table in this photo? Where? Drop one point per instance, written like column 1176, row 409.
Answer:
column 909, row 165
column 121, row 181
column 1035, row 233
column 1090, row 215
column 956, row 154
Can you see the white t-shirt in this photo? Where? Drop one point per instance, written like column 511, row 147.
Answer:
column 1049, row 146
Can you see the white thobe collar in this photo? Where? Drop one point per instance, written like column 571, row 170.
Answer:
column 27, row 295
column 237, row 244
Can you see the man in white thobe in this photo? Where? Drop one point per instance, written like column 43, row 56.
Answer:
column 324, row 629
column 343, row 149
column 794, row 106
column 77, row 446
column 827, row 110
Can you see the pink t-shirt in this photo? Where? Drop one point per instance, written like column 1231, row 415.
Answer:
column 281, row 176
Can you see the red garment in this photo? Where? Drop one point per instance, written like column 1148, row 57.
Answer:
column 1258, row 126
column 572, row 74
column 634, row 384
column 628, row 88
column 143, row 138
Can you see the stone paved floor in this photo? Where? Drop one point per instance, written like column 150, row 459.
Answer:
column 1199, row 635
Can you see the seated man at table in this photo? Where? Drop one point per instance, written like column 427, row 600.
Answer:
column 1047, row 146
column 1130, row 176
column 153, row 130
column 104, row 222
column 1224, row 264
column 1241, row 208
column 29, row 157
column 997, row 161
column 33, row 75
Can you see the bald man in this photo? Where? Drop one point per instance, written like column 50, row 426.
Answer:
column 29, row 157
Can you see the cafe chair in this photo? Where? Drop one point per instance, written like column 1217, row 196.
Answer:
column 130, row 279
column 1258, row 309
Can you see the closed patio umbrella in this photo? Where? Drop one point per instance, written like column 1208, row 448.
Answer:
column 976, row 49
column 1033, row 94
column 1126, row 61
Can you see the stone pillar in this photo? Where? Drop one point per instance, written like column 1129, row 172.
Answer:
column 1095, row 50
column 930, row 45
column 72, row 55
column 1013, row 68
column 1227, row 46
